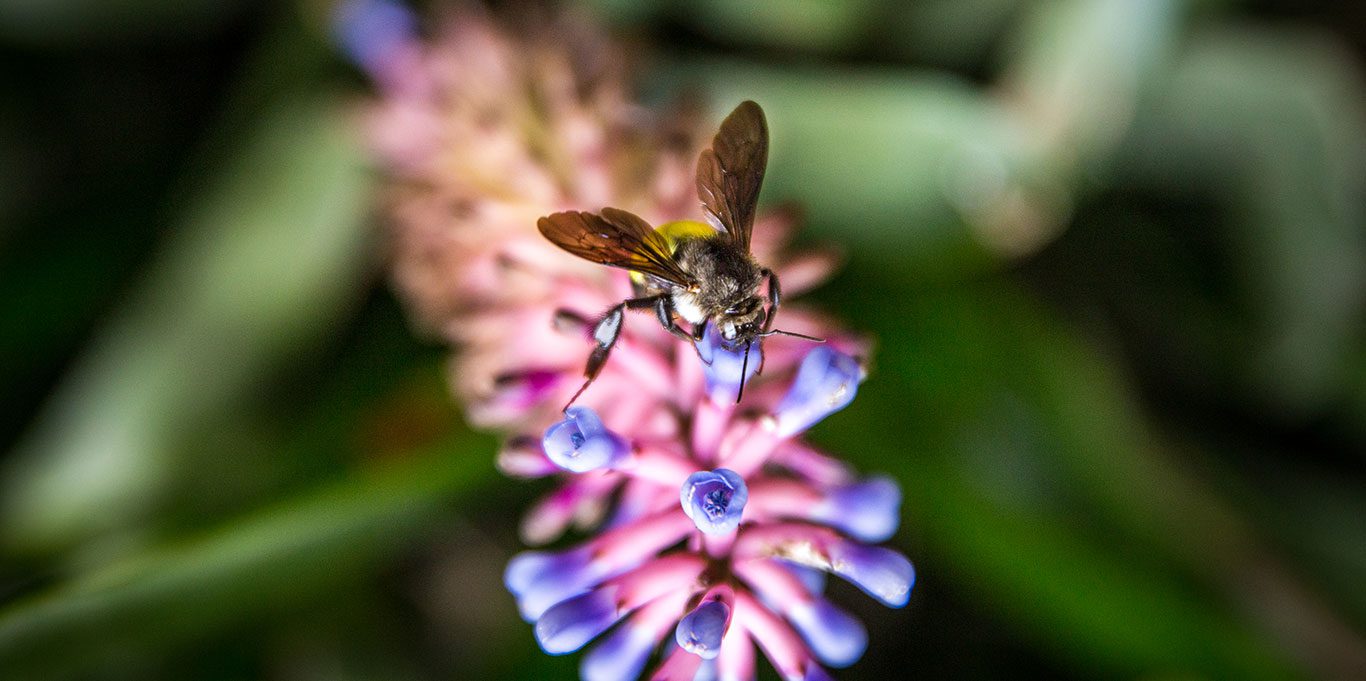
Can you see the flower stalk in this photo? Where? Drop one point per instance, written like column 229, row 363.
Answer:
column 705, row 518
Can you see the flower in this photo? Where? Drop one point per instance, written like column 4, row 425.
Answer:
column 580, row 443
column 714, row 500
column 728, row 565
column 706, row 520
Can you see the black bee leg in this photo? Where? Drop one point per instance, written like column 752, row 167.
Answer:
column 775, row 296
column 605, row 334
column 664, row 312
column 608, row 329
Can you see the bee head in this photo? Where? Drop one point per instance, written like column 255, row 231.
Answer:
column 742, row 322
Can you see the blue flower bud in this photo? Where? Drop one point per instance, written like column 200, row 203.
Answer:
column 881, row 573
column 812, row 579
column 700, row 631
column 868, row 510
column 826, row 382
column 572, row 623
column 539, row 580
column 722, row 364
column 833, row 634
column 714, row 500
column 580, row 443
column 620, row 655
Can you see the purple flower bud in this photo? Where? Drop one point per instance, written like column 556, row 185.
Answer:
column 572, row 623
column 539, row 580
column 811, row 578
column 722, row 365
column 868, row 510
column 369, row 32
column 700, row 631
column 833, row 634
column 881, row 573
column 620, row 655
column 826, row 382
column 580, row 443
column 714, row 500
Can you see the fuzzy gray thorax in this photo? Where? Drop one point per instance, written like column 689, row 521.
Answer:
column 728, row 280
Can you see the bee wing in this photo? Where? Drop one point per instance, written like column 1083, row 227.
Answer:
column 730, row 173
column 617, row 238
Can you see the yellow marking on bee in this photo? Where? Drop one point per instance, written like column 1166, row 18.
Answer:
column 675, row 231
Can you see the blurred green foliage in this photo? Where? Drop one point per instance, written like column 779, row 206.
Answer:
column 1112, row 251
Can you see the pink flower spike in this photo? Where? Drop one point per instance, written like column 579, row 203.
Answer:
column 624, row 652
column 880, row 572
column 643, row 370
column 832, row 634
column 746, row 447
column 630, row 544
column 718, row 545
column 709, row 424
column 774, row 583
column 483, row 131
column 736, row 661
column 779, row 642
column 677, row 572
column 815, row 466
column 801, row 544
column 658, row 466
column 774, row 498
column 522, row 457
column 680, row 665
column 867, row 510
column 807, row 270
column 549, row 518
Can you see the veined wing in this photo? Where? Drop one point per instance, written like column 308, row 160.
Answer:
column 730, row 173
column 617, row 238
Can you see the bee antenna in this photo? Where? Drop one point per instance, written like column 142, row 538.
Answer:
column 780, row 332
column 744, row 369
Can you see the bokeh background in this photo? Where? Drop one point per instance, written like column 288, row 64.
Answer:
column 1113, row 252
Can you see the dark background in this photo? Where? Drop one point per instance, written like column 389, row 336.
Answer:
column 1127, row 406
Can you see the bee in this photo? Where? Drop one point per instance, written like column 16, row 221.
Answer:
column 703, row 273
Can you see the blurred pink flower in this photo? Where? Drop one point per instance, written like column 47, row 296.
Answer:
column 713, row 519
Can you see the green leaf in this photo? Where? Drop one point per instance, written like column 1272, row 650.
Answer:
column 1031, row 484
column 301, row 549
column 1270, row 128
column 270, row 254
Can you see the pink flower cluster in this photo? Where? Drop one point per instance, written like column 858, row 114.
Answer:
column 712, row 523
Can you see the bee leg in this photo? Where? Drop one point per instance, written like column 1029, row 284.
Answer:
column 605, row 334
column 664, row 312
column 775, row 296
